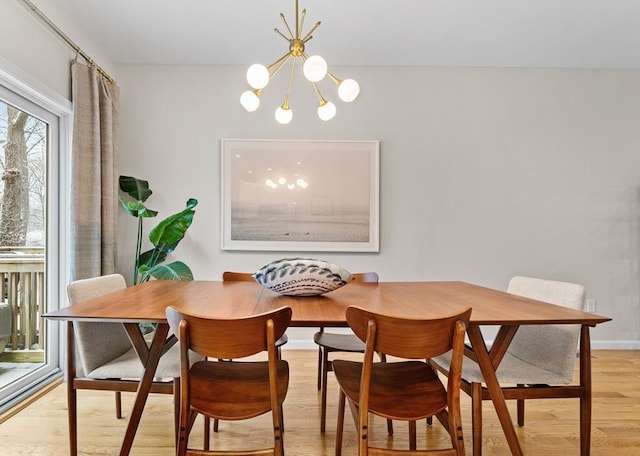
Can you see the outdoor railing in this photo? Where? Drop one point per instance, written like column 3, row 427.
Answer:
column 22, row 293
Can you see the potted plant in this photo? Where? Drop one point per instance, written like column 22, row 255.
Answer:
column 164, row 237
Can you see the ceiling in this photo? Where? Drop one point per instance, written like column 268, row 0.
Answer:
column 518, row 33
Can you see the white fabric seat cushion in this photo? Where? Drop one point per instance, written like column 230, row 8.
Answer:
column 511, row 370
column 129, row 367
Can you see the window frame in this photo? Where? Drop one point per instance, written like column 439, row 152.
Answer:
column 30, row 95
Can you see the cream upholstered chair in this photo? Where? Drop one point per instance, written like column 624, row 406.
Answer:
column 231, row 390
column 336, row 342
column 107, row 358
column 407, row 388
column 539, row 360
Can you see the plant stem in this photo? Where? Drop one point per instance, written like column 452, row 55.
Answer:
column 138, row 248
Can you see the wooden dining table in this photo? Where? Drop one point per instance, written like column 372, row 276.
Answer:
column 147, row 303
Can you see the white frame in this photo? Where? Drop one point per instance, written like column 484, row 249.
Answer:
column 321, row 161
column 30, row 95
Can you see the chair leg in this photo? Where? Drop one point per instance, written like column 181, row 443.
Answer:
column 412, row 436
column 118, row 405
column 176, row 410
column 323, row 390
column 320, row 363
column 340, row 426
column 520, row 409
column 281, row 418
column 207, row 433
column 278, row 436
column 476, row 418
column 320, row 351
column 216, row 423
column 383, row 358
column 73, row 418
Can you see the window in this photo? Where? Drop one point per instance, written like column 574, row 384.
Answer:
column 34, row 140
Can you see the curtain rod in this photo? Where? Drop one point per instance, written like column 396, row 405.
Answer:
column 34, row 10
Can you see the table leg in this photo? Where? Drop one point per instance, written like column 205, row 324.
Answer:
column 585, row 398
column 489, row 374
column 155, row 351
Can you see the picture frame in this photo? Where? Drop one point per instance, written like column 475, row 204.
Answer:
column 300, row 195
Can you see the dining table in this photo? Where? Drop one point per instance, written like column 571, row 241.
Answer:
column 147, row 302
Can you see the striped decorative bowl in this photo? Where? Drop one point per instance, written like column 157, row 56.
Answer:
column 302, row 276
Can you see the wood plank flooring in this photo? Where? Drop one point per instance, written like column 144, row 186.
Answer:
column 551, row 425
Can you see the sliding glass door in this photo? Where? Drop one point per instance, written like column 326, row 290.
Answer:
column 30, row 209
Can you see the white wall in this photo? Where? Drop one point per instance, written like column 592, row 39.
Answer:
column 485, row 173
column 30, row 45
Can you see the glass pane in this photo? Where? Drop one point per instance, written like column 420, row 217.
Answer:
column 23, row 152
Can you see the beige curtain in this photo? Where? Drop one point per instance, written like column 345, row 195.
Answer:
column 94, row 173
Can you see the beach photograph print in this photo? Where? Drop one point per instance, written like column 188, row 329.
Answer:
column 300, row 195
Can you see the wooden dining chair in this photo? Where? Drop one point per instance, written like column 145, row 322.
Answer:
column 539, row 362
column 108, row 361
column 231, row 276
column 231, row 390
column 336, row 342
column 406, row 389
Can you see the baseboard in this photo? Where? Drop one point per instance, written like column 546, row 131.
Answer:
column 615, row 344
column 305, row 344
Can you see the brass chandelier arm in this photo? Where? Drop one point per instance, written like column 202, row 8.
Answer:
column 333, row 78
column 302, row 17
column 308, row 36
column 321, row 99
column 279, row 67
column 285, row 105
column 282, row 34
column 287, row 25
column 278, row 64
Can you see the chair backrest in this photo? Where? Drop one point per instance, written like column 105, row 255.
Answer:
column 552, row 347
column 407, row 337
column 371, row 277
column 228, row 276
column 230, row 338
column 413, row 339
column 98, row 343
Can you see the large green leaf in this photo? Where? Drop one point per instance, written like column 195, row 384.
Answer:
column 172, row 271
column 137, row 208
column 155, row 255
column 137, row 189
column 169, row 232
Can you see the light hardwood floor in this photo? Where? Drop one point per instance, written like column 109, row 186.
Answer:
column 551, row 427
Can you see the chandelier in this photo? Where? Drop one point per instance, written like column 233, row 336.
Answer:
column 314, row 69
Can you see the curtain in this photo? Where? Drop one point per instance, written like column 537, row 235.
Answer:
column 94, row 173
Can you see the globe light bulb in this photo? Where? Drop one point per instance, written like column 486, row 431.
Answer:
column 284, row 115
column 348, row 90
column 258, row 76
column 327, row 111
column 315, row 68
column 249, row 100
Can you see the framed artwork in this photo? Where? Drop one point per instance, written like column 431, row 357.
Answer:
column 300, row 195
